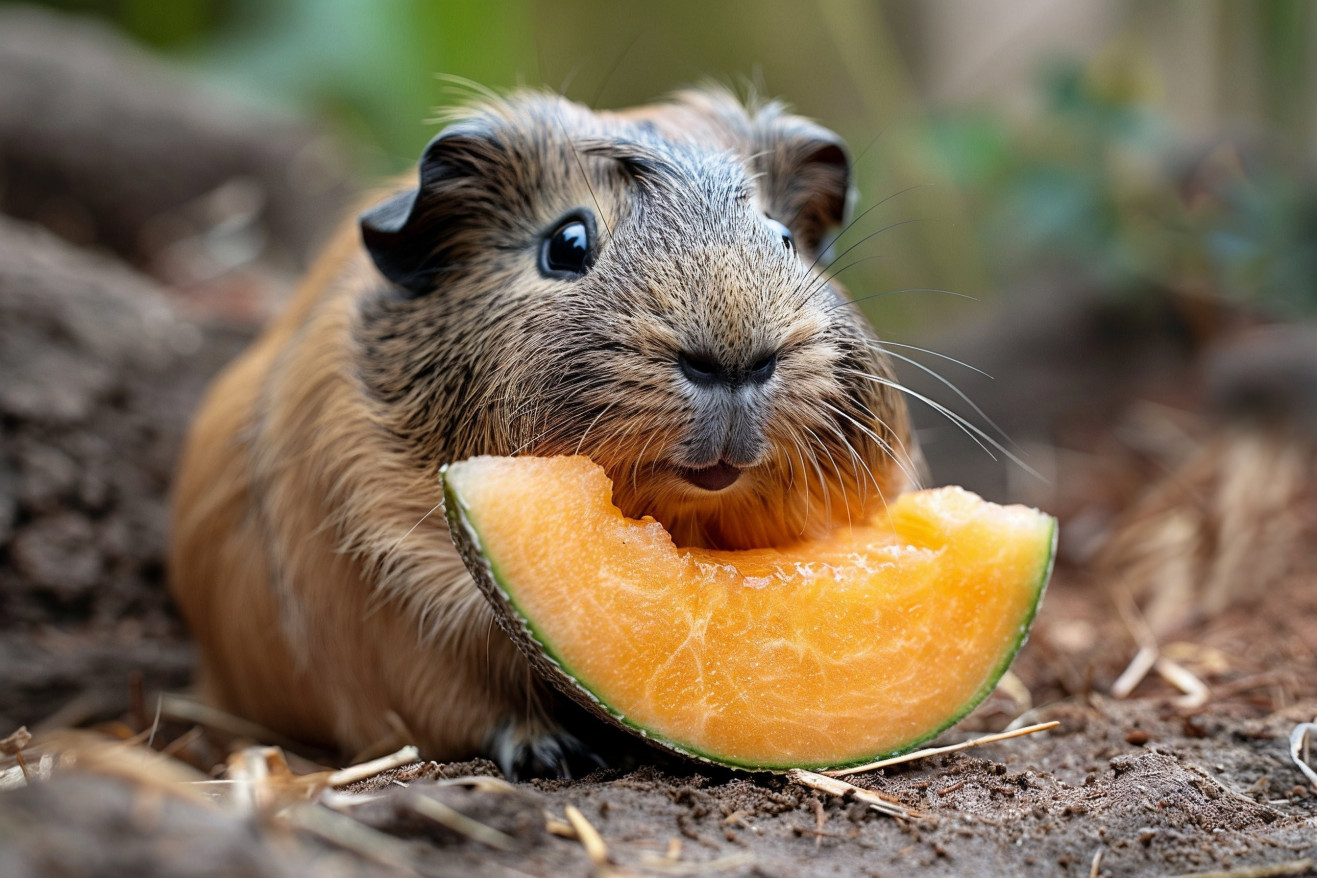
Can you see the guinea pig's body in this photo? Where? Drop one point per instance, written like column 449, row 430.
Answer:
column 638, row 286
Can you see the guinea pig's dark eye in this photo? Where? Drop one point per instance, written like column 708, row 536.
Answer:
column 568, row 252
column 788, row 240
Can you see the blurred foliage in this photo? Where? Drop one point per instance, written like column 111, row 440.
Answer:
column 1098, row 187
column 1094, row 184
column 161, row 24
column 369, row 68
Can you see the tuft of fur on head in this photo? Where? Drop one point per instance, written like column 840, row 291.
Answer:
column 493, row 358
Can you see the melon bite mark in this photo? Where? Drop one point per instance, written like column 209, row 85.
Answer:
column 823, row 654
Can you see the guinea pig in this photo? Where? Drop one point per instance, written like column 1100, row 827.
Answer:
column 642, row 286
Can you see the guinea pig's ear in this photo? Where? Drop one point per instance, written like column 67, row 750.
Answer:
column 809, row 179
column 386, row 231
column 825, row 171
column 406, row 235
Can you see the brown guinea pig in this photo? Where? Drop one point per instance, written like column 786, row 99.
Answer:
column 641, row 286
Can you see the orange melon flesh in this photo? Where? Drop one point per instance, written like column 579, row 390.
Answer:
column 822, row 654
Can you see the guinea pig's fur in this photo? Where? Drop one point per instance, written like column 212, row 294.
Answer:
column 308, row 555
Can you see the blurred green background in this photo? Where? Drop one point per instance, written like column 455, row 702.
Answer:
column 1165, row 144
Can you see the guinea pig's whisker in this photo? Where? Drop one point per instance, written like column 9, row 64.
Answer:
column 857, row 461
column 880, row 442
column 970, row 429
column 623, row 440
column 613, row 68
column 874, row 234
column 533, row 440
column 635, row 466
column 782, row 459
column 566, row 80
column 528, row 404
column 868, row 210
column 906, row 290
column 636, row 425
column 664, row 439
column 828, row 275
column 877, row 486
column 825, row 488
column 883, row 344
column 826, row 279
column 646, row 427
column 600, row 452
column 528, row 443
column 841, row 482
column 402, row 539
column 585, row 178
column 857, row 480
column 489, row 639
column 619, row 436
column 541, row 429
column 804, row 472
column 900, row 455
column 954, row 389
column 602, row 412
column 805, row 477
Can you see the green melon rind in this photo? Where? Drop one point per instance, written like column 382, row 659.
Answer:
column 547, row 662
column 519, row 629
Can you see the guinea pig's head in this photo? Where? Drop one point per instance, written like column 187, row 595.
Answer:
column 643, row 287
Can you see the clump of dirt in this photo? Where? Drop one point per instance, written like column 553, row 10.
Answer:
column 98, row 373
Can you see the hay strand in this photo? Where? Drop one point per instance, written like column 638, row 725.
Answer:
column 935, row 751
column 844, row 790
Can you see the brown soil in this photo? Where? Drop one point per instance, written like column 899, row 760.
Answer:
column 1152, row 789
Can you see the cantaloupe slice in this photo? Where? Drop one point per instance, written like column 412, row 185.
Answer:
column 822, row 654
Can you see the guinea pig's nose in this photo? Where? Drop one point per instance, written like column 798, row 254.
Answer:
column 706, row 371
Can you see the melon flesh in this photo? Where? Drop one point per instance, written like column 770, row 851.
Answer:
column 825, row 653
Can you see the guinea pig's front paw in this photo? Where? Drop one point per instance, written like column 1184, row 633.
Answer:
column 526, row 750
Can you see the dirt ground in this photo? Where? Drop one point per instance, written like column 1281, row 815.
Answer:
column 1123, row 787
column 107, row 339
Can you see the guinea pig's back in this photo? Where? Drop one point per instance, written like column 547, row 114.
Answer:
column 220, row 562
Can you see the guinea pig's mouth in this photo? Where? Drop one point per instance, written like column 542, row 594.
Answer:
column 712, row 478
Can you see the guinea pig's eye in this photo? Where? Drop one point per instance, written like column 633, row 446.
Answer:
column 788, row 240
column 567, row 252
